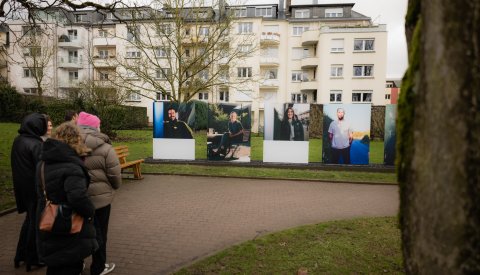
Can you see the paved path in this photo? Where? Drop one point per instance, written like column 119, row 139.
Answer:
column 165, row 222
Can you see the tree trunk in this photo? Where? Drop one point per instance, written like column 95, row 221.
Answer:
column 439, row 139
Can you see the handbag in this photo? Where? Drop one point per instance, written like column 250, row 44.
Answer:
column 58, row 218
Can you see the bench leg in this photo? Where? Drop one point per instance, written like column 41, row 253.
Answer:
column 137, row 172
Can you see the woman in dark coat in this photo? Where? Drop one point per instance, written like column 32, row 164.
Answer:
column 291, row 128
column 66, row 183
column 25, row 155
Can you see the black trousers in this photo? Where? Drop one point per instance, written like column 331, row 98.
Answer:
column 99, row 258
column 71, row 269
column 27, row 246
column 343, row 153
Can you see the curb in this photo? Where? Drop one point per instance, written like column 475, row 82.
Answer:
column 7, row 211
column 260, row 164
column 282, row 179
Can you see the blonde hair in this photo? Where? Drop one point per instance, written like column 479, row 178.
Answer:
column 69, row 133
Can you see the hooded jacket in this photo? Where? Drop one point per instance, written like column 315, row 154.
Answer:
column 103, row 167
column 66, row 182
column 26, row 150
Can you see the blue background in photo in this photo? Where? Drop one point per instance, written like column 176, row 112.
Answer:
column 359, row 152
column 158, row 119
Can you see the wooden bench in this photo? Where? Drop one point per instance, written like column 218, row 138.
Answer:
column 122, row 153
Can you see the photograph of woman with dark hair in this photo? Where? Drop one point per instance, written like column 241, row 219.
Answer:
column 291, row 128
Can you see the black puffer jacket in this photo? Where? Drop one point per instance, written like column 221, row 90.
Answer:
column 66, row 180
column 25, row 155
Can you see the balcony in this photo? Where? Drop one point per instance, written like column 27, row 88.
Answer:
column 269, row 61
column 67, row 42
column 104, row 61
column 70, row 62
column 223, row 61
column 270, row 38
column 104, row 41
column 269, row 84
column 309, row 85
column 309, row 62
column 310, row 38
column 69, row 83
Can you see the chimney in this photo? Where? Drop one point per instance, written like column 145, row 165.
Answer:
column 287, row 8
column 281, row 9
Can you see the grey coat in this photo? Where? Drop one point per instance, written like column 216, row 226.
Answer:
column 103, row 167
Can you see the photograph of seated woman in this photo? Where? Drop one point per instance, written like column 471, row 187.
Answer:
column 291, row 128
column 234, row 134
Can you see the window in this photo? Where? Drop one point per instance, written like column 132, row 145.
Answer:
column 362, row 96
column 203, row 75
column 163, row 73
column 187, row 31
column 363, row 44
column 27, row 72
column 336, row 45
column 298, row 30
column 72, row 75
column 264, row 12
column 336, row 71
column 164, row 29
column 133, row 33
column 245, row 27
column 299, row 98
column 135, row 96
column 73, row 35
column 80, row 18
column 102, row 33
column 103, row 75
column 299, row 53
column 334, row 12
column 389, row 85
column 162, row 52
column 31, row 30
column 245, row 48
column 387, row 96
column 297, row 76
column 72, row 56
column 32, row 51
column 103, row 54
column 223, row 96
column 131, row 75
column 240, row 12
column 203, row 31
column 133, row 53
column 244, row 72
column 271, row 74
column 363, row 70
column 33, row 91
column 110, row 16
column 302, row 14
column 203, row 96
column 163, row 96
column 269, row 52
column 335, row 96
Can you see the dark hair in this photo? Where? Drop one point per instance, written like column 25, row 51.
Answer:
column 285, row 115
column 171, row 108
column 69, row 114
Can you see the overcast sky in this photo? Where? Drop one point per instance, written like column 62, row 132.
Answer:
column 390, row 12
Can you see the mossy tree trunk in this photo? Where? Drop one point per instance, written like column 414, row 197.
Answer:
column 439, row 139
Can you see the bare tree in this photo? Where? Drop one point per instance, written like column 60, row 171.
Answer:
column 184, row 48
column 439, row 139
column 36, row 50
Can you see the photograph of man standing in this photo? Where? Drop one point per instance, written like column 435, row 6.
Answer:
column 341, row 136
column 175, row 128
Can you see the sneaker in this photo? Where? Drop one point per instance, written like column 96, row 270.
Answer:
column 108, row 268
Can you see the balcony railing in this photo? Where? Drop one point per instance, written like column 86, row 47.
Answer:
column 309, row 85
column 269, row 83
column 70, row 62
column 270, row 37
column 269, row 61
column 310, row 37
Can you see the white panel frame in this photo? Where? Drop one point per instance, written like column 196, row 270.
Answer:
column 171, row 148
column 285, row 151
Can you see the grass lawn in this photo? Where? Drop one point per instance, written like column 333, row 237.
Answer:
column 360, row 246
column 140, row 144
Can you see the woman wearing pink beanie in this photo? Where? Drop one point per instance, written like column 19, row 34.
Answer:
column 105, row 176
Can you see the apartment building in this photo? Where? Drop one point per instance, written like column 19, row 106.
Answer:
column 317, row 53
column 4, row 44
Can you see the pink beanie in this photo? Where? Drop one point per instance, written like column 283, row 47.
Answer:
column 88, row 120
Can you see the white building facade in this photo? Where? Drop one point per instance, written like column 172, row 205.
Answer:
column 316, row 54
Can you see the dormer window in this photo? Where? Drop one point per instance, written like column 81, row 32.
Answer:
column 263, row 12
column 240, row 12
column 302, row 13
column 338, row 12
